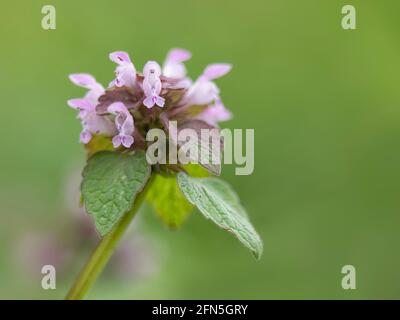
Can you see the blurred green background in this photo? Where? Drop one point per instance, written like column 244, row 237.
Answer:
column 325, row 106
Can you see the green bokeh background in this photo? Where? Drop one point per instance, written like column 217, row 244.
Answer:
column 325, row 106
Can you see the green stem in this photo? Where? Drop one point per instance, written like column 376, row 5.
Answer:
column 103, row 252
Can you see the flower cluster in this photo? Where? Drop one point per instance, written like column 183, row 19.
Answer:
column 135, row 102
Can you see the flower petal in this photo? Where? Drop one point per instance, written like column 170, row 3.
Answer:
column 151, row 68
column 173, row 66
column 116, row 141
column 214, row 71
column 82, row 79
column 80, row 104
column 201, row 92
column 85, row 136
column 178, row 55
column 149, row 102
column 117, row 107
column 120, row 57
column 215, row 113
column 127, row 141
column 125, row 71
column 152, row 85
column 124, row 123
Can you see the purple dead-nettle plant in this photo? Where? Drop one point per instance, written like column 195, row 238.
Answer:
column 116, row 125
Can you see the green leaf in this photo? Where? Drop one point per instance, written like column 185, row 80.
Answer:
column 110, row 184
column 217, row 201
column 203, row 145
column 168, row 201
column 196, row 170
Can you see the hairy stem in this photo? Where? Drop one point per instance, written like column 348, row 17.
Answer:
column 103, row 252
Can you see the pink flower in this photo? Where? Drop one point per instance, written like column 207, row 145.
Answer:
column 105, row 112
column 152, row 85
column 173, row 65
column 87, row 81
column 215, row 113
column 91, row 122
column 204, row 91
column 124, row 123
column 125, row 72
